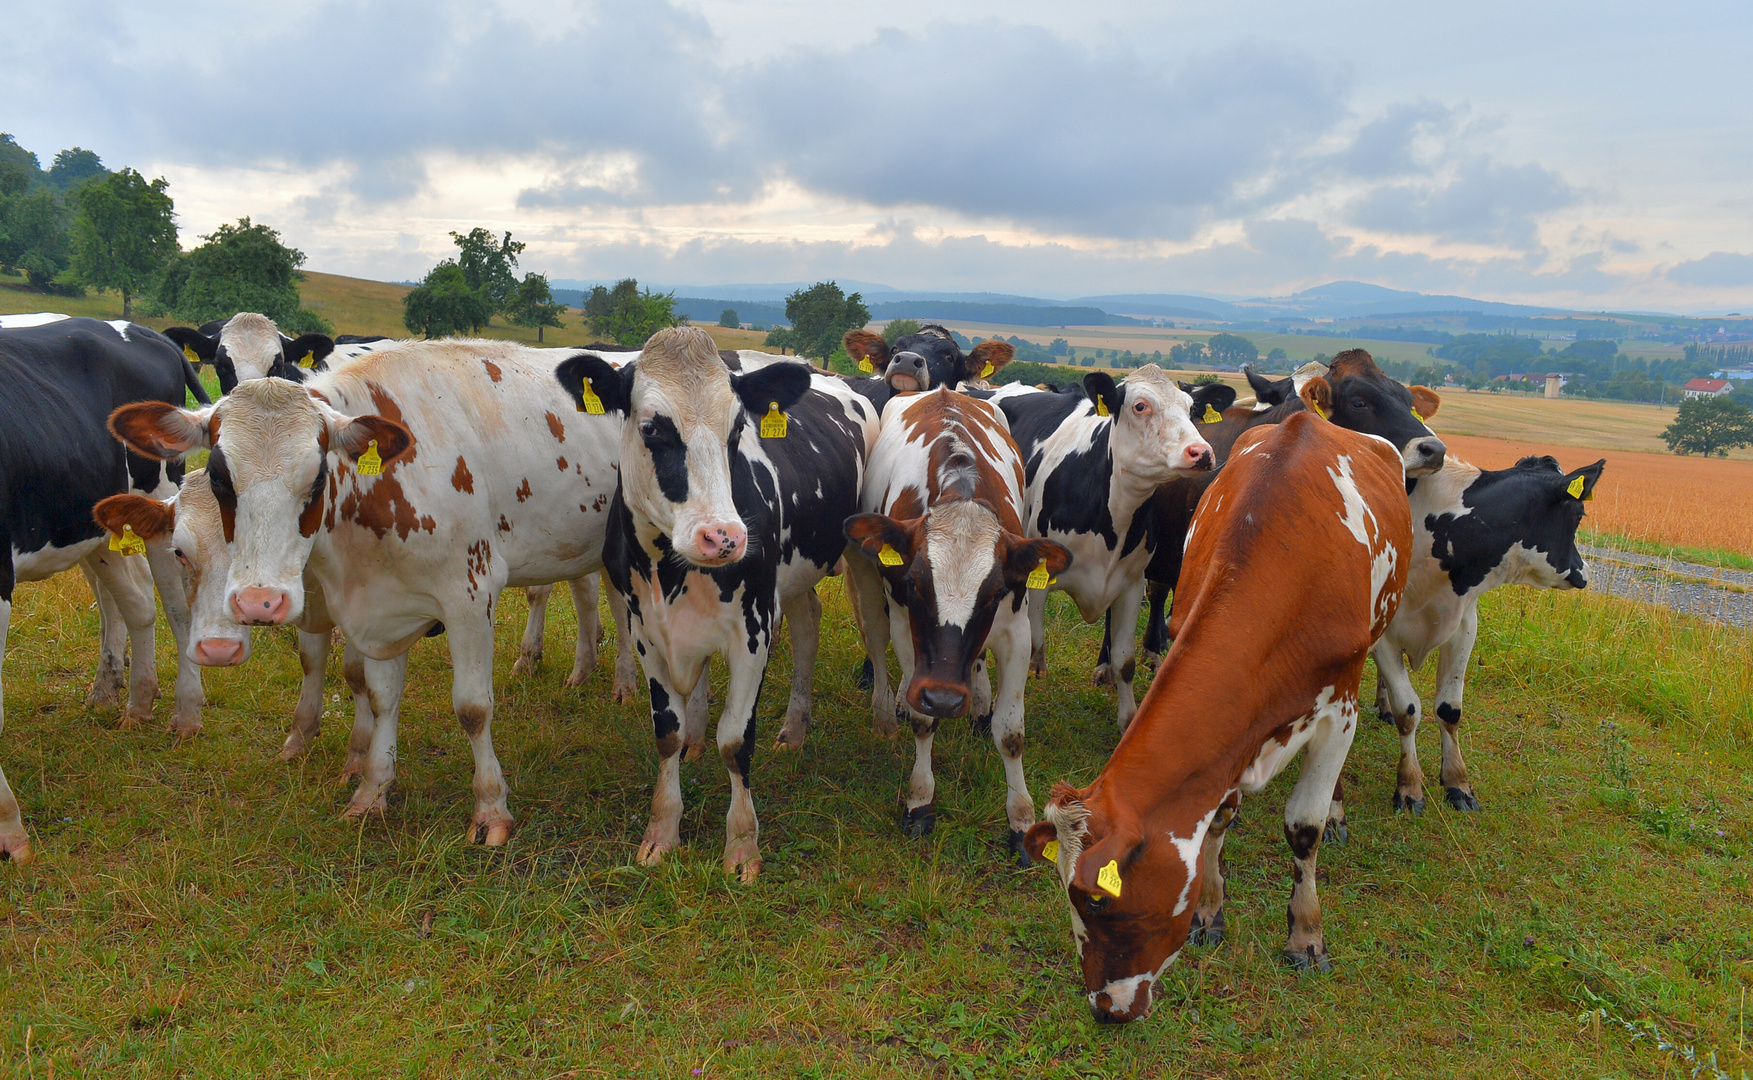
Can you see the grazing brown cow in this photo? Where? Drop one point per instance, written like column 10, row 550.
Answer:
column 1295, row 565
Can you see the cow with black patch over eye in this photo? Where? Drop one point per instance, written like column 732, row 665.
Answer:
column 1139, row 851
column 1356, row 394
column 408, row 487
column 1094, row 461
column 249, row 346
column 734, row 484
column 1473, row 530
column 942, row 550
column 927, row 359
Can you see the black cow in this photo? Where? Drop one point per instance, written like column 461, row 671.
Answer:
column 250, row 346
column 927, row 359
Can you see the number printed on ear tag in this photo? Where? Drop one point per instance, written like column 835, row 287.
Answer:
column 1211, row 416
column 1050, row 851
column 888, row 556
column 1039, row 578
column 1108, row 878
column 1575, row 487
column 127, row 543
column 588, row 402
column 866, row 366
column 371, row 462
column 774, row 424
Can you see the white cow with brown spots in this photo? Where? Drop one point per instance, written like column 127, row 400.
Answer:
column 408, row 487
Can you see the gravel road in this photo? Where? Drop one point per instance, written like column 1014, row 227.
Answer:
column 1649, row 578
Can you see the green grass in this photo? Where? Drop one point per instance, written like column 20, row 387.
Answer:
column 1728, row 560
column 200, row 910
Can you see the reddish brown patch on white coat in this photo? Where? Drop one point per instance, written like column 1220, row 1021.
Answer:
column 555, row 427
column 524, row 491
column 462, row 479
column 385, row 505
column 493, row 371
column 560, row 463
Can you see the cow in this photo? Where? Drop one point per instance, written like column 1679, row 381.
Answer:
column 734, row 486
column 1473, row 530
column 1093, row 462
column 941, row 548
column 59, row 379
column 410, row 486
column 1139, row 851
column 250, row 346
column 927, row 359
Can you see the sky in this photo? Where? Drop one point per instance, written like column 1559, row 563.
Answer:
column 1591, row 155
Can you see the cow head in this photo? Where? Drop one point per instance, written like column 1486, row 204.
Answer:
column 1132, row 887
column 1213, row 396
column 1357, row 394
column 956, row 565
column 1269, row 392
column 250, row 346
column 1517, row 526
column 684, row 409
column 191, row 525
column 270, row 443
column 928, row 359
column 1152, row 436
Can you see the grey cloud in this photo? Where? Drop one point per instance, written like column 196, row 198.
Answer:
column 1384, row 146
column 1716, row 270
column 1485, row 201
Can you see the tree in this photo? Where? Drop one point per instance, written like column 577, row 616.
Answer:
column 629, row 315
column 1060, row 347
column 728, row 319
column 781, row 338
column 1707, row 426
column 489, row 265
column 1232, row 349
column 534, row 305
column 1277, row 356
column 899, row 328
column 73, row 168
column 242, row 267
column 820, row 316
column 33, row 229
column 123, row 233
column 445, row 303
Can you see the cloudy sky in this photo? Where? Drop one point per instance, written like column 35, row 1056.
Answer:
column 1593, row 155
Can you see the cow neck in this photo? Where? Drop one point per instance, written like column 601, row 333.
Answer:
column 1127, row 492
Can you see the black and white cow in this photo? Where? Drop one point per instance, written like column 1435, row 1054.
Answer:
column 59, row 379
column 250, row 346
column 734, row 485
column 927, row 359
column 1094, row 461
column 1473, row 530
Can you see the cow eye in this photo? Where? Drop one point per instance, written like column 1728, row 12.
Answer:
column 184, row 559
column 1095, row 905
column 647, row 430
column 1358, row 404
column 1141, row 407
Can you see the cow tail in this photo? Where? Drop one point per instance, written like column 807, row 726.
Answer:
column 193, row 382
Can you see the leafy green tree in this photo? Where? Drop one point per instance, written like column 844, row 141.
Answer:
column 489, row 265
column 242, row 267
column 820, row 316
column 1186, row 353
column 1060, row 347
column 124, row 232
column 781, row 338
column 534, row 305
column 899, row 328
column 628, row 314
column 33, row 230
column 73, row 168
column 728, row 319
column 1277, row 356
column 1707, row 426
column 445, row 304
column 1232, row 349
column 14, row 156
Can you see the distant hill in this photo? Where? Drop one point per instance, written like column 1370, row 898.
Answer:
column 1001, row 314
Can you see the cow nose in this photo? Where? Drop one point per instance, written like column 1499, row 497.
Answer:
column 942, row 701
column 1578, row 578
column 720, row 543
column 256, row 605
column 1197, row 457
column 217, row 652
column 1430, row 453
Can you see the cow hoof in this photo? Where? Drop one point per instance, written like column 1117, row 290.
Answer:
column 1103, row 676
column 982, row 724
column 1309, row 959
column 15, row 848
column 919, row 821
column 657, row 841
column 623, row 695
column 1461, row 800
column 490, row 833
column 1386, row 716
column 352, row 767
column 1015, row 843
column 527, row 663
column 1336, row 833
column 742, row 857
column 362, row 805
column 866, row 678
column 791, row 737
column 691, row 751
column 578, row 677
column 294, row 748
column 1206, row 931
column 1413, row 806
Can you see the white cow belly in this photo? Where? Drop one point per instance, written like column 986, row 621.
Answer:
column 48, row 561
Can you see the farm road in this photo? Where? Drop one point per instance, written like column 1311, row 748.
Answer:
column 1682, row 586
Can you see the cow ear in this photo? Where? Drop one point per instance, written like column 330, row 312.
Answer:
column 148, row 518
column 1216, row 396
column 315, row 346
column 1027, row 556
column 354, row 437
column 865, row 345
column 1099, row 386
column 989, row 354
column 1590, row 475
column 160, row 430
column 187, row 337
column 611, row 385
column 872, row 533
column 777, row 385
column 1317, row 394
column 1426, row 401
column 1040, row 834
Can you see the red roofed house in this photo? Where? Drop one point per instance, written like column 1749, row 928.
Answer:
column 1698, row 388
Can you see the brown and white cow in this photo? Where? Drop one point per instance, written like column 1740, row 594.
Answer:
column 412, row 485
column 943, row 547
column 1296, row 562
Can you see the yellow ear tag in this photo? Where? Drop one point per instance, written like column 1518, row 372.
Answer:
column 1575, row 487
column 1211, row 416
column 1108, row 878
column 1039, row 578
column 1322, row 413
column 588, row 402
column 1416, row 416
column 309, row 361
column 127, row 543
column 866, row 366
column 773, row 425
column 1101, row 407
column 189, row 355
column 986, row 372
column 1050, row 851
column 888, row 556
column 370, row 463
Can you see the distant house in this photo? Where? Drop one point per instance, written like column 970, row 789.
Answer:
column 1701, row 388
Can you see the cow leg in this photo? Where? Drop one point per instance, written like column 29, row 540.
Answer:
column 626, row 683
column 875, row 628
column 112, row 644
column 663, row 831
column 170, row 580
column 590, row 629
column 129, row 584
column 1124, row 615
column 529, row 651
column 364, row 719
column 14, row 841
column 736, row 748
column 383, row 680
column 307, row 715
column 696, row 711
column 471, row 694
column 980, row 696
column 1451, row 683
column 803, row 618
column 1156, row 626
column 1038, row 631
column 919, row 803
column 1304, row 815
column 855, row 602
column 1207, row 928
column 1337, row 831
column 1104, row 673
column 1398, row 704
column 1011, row 643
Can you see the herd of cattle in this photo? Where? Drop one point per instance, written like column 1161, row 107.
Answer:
column 393, row 489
